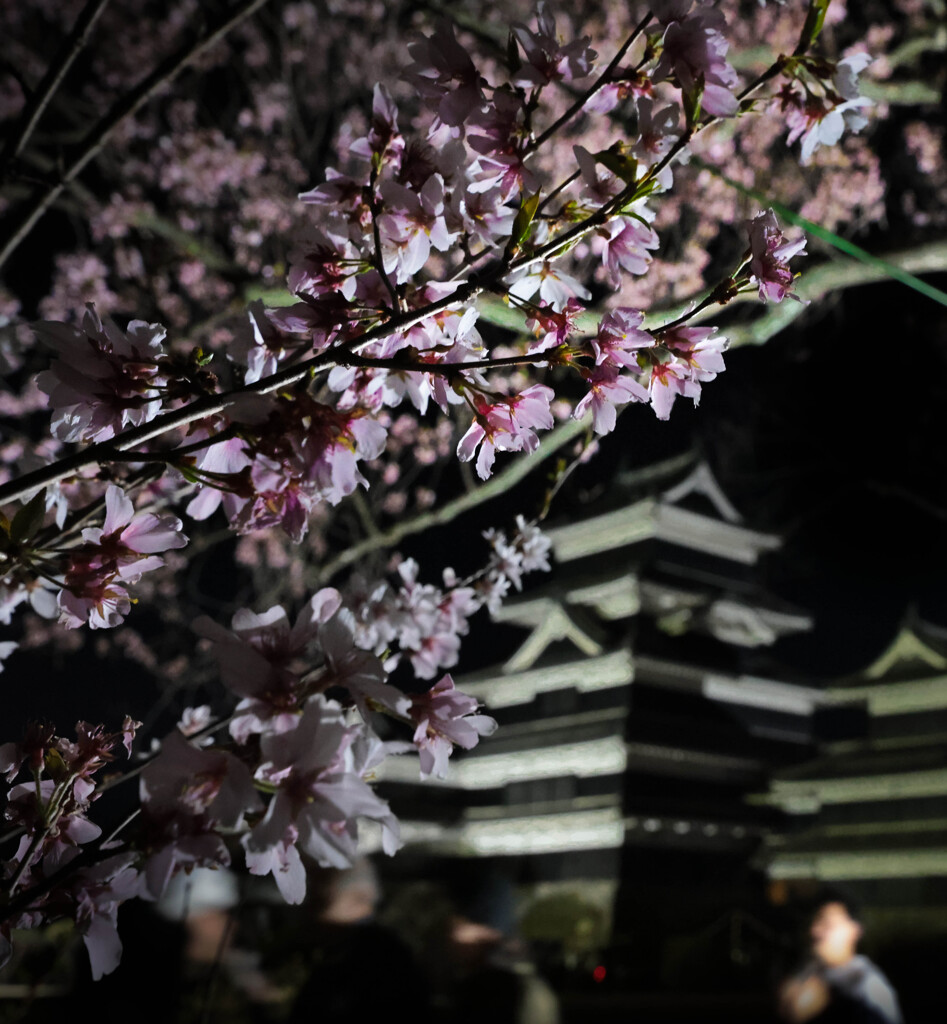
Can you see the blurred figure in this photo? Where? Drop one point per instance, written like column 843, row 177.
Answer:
column 492, row 977
column 215, row 965
column 460, row 918
column 358, row 969
column 838, row 985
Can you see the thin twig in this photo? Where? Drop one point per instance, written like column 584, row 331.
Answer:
column 55, row 73
column 445, row 369
column 214, row 974
column 211, row 405
column 500, row 483
column 128, row 105
column 396, row 303
column 587, row 94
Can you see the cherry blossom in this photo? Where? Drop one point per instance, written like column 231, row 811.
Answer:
column 556, row 288
column 694, row 51
column 187, row 794
column 444, row 74
column 700, row 348
column 413, row 222
column 112, row 556
column 620, row 338
column 263, row 660
column 552, row 327
column 608, row 389
column 384, row 143
column 506, row 425
column 820, row 120
column 282, row 416
column 545, row 59
column 320, row 793
column 104, row 379
column 624, row 245
column 444, row 717
column 670, row 378
column 770, row 253
column 98, row 892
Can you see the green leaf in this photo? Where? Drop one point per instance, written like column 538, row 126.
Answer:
column 691, row 102
column 524, row 218
column 55, row 763
column 815, row 19
column 28, row 519
column 513, row 61
column 645, row 188
column 188, row 473
column 269, row 296
column 625, row 167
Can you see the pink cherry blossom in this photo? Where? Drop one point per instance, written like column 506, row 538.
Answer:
column 305, row 452
column 125, row 535
column 770, row 253
column 319, row 792
column 187, row 794
column 98, row 892
column 620, row 338
column 443, row 717
column 608, row 388
column 670, row 378
column 554, row 285
column 701, row 348
column 546, row 60
column 186, row 779
column 112, row 556
column 412, row 223
column 443, row 73
column 264, row 661
column 820, row 120
column 225, row 458
column 694, row 51
column 553, row 327
column 499, row 136
column 357, row 671
column 384, row 142
column 624, row 243
column 506, row 425
column 105, row 379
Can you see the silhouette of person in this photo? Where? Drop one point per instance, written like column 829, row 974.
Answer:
column 358, row 969
column 838, row 985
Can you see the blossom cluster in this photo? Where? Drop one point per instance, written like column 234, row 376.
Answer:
column 294, row 776
column 398, row 244
column 49, row 813
column 424, row 622
column 433, row 209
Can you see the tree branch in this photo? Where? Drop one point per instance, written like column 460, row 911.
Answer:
column 55, row 73
column 213, row 404
column 498, row 484
column 128, row 105
column 588, row 93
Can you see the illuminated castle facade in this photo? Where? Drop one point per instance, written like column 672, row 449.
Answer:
column 638, row 712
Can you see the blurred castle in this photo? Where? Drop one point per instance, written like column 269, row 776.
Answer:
column 654, row 763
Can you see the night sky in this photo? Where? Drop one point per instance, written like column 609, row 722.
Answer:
column 832, row 434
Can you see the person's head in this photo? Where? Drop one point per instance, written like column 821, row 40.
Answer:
column 345, row 896
column 835, row 929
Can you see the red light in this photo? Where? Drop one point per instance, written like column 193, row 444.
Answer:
column 599, row 973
